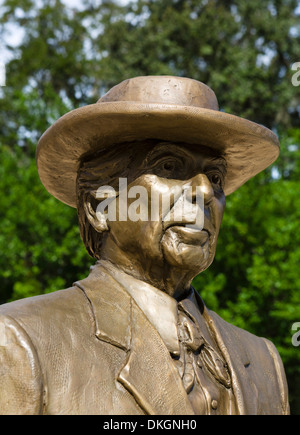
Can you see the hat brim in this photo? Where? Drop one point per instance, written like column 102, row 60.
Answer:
column 249, row 148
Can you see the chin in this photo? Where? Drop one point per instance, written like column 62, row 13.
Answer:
column 195, row 258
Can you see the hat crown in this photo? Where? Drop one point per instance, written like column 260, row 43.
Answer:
column 163, row 90
column 166, row 108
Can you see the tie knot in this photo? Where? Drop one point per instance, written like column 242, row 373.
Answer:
column 190, row 336
column 189, row 332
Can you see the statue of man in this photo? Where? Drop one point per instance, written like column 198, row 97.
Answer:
column 148, row 168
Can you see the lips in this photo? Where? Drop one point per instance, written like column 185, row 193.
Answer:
column 189, row 235
column 208, row 227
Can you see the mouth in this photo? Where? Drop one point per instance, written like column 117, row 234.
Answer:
column 207, row 227
column 188, row 235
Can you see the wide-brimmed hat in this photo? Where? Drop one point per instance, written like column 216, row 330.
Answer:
column 166, row 108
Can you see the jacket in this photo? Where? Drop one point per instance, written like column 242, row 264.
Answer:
column 89, row 349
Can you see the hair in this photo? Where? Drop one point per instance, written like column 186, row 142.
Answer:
column 105, row 166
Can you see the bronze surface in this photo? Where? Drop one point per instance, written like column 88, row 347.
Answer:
column 134, row 338
column 156, row 107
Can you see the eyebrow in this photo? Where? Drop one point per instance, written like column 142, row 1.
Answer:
column 163, row 147
column 219, row 160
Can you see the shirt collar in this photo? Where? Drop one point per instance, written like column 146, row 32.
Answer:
column 160, row 309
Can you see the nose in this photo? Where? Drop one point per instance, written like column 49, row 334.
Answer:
column 201, row 185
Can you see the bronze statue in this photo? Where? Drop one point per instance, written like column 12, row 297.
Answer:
column 134, row 337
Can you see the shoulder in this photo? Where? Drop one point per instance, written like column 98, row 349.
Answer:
column 236, row 335
column 21, row 382
column 28, row 327
column 38, row 306
column 249, row 345
column 40, row 316
column 259, row 353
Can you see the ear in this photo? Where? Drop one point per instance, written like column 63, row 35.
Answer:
column 95, row 217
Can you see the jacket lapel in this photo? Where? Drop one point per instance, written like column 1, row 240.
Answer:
column 110, row 307
column 237, row 358
column 148, row 372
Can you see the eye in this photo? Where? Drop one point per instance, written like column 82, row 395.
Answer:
column 216, row 178
column 169, row 166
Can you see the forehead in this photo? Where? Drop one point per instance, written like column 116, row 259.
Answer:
column 130, row 159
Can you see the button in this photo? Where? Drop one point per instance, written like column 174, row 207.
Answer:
column 214, row 404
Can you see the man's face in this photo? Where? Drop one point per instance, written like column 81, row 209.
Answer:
column 162, row 238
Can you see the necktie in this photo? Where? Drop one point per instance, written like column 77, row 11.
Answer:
column 198, row 351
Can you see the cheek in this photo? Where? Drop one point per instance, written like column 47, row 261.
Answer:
column 219, row 212
column 222, row 208
column 125, row 233
column 140, row 228
column 137, row 237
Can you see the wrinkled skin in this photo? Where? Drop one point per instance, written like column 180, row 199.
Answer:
column 167, row 254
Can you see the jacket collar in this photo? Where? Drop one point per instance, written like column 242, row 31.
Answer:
column 111, row 307
column 160, row 309
column 118, row 320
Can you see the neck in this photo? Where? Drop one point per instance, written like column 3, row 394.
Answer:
column 174, row 281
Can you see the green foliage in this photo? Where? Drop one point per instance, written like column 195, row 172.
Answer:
column 69, row 56
column 254, row 282
column 40, row 243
